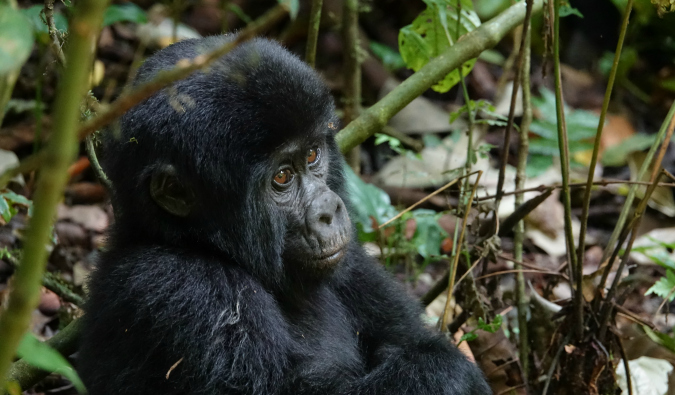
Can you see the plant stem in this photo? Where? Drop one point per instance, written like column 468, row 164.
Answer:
column 60, row 152
column 519, row 236
column 470, row 46
column 352, row 74
column 598, row 135
column 563, row 145
column 313, row 32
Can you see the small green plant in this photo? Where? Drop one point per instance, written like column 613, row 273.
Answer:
column 492, row 327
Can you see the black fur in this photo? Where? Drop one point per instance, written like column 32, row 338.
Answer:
column 211, row 290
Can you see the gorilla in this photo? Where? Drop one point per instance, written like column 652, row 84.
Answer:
column 232, row 266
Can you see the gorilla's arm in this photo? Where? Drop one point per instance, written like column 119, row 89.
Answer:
column 404, row 357
column 153, row 307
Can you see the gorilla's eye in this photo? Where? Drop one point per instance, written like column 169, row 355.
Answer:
column 283, row 177
column 312, row 155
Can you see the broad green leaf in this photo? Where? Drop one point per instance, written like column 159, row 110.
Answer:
column 368, row 201
column 433, row 31
column 128, row 12
column 538, row 164
column 428, row 233
column 40, row 355
column 16, row 39
column 617, row 155
column 468, row 337
column 14, row 197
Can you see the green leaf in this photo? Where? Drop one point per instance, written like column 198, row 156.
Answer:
column 663, row 287
column 434, row 31
column 617, row 155
column 428, row 233
column 660, row 338
column 240, row 13
column 468, row 337
column 566, row 10
column 492, row 327
column 15, row 198
column 40, row 355
column 391, row 59
column 5, row 210
column 37, row 23
column 128, row 12
column 16, row 39
column 538, row 164
column 368, row 201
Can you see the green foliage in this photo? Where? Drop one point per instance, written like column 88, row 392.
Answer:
column 40, row 355
column 371, row 204
column 617, row 155
column 16, row 40
column 482, row 325
column 37, row 22
column 428, row 234
column 581, row 128
column 368, row 201
column 127, row 12
column 664, row 286
column 391, row 59
column 436, row 29
column 8, row 202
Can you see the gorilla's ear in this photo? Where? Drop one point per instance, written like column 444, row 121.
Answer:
column 170, row 192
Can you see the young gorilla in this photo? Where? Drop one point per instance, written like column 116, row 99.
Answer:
column 232, row 266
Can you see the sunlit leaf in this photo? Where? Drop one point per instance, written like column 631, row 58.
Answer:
column 128, row 12
column 16, row 39
column 40, row 355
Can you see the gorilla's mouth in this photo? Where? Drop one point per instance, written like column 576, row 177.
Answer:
column 332, row 257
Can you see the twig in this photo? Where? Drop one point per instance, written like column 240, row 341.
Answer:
column 601, row 123
column 60, row 152
column 632, row 226
column 429, row 196
column 518, row 271
column 624, row 357
column 512, row 110
column 620, row 231
column 603, row 183
column 628, row 204
column 563, row 145
column 163, row 79
column 53, row 32
column 455, row 261
column 415, row 144
column 93, row 159
column 472, row 44
column 313, row 32
column 554, row 363
column 352, row 74
column 522, row 300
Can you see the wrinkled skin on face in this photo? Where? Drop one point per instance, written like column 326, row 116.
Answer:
column 318, row 227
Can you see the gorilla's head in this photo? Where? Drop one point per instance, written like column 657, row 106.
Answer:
column 238, row 159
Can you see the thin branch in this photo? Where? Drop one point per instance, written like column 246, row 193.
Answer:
column 53, row 32
column 429, row 196
column 352, row 74
column 60, row 152
column 453, row 273
column 313, row 32
column 601, row 123
column 93, row 159
column 522, row 300
column 163, row 79
column 563, row 145
column 470, row 46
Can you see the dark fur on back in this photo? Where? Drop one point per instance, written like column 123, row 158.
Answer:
column 210, row 290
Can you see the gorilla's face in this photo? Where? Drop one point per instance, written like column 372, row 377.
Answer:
column 317, row 224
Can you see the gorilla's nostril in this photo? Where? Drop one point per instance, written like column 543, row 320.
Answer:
column 326, row 219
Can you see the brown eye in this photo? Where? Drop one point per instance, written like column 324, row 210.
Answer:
column 283, row 177
column 312, row 155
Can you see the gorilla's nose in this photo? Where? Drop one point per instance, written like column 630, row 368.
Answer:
column 326, row 217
